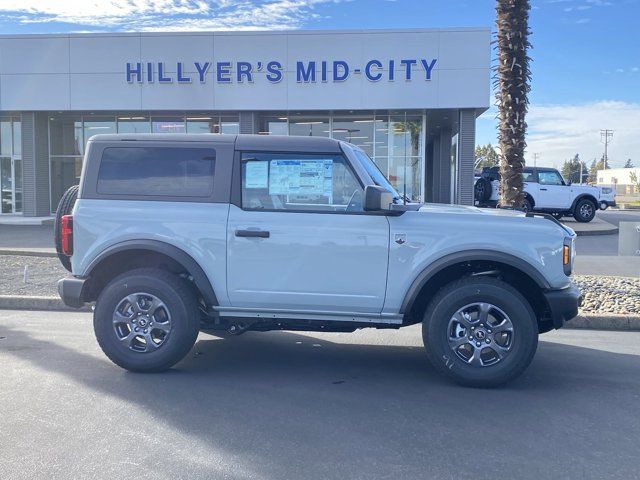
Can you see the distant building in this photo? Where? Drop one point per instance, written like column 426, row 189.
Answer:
column 620, row 178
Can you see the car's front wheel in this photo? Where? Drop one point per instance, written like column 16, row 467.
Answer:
column 585, row 210
column 146, row 320
column 480, row 332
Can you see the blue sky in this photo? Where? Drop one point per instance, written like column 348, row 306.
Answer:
column 586, row 55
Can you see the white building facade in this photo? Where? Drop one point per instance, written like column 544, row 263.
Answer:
column 409, row 98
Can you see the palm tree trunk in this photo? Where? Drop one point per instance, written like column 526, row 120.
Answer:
column 512, row 84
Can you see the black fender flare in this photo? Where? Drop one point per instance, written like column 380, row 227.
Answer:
column 588, row 197
column 468, row 256
column 528, row 196
column 188, row 263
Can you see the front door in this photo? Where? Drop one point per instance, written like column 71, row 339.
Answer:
column 553, row 193
column 299, row 239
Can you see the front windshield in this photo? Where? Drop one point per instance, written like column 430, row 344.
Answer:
column 375, row 173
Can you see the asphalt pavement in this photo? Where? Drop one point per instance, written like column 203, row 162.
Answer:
column 284, row 405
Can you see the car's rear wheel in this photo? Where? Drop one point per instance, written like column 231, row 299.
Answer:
column 480, row 332
column 65, row 207
column 146, row 320
column 585, row 210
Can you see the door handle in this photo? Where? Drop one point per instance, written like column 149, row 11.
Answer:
column 543, row 189
column 252, row 233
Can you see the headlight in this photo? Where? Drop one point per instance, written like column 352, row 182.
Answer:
column 607, row 190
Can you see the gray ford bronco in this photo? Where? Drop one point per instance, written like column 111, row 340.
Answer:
column 171, row 235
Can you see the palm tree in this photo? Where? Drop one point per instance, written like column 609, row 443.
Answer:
column 512, row 84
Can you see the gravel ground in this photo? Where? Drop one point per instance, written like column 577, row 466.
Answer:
column 602, row 294
column 42, row 275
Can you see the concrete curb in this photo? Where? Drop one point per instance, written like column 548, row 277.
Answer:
column 27, row 253
column 22, row 302
column 588, row 233
column 588, row 321
column 594, row 321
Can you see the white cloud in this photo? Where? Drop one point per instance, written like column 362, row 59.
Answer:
column 558, row 132
column 166, row 14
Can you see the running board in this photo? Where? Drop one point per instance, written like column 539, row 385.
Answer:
column 385, row 318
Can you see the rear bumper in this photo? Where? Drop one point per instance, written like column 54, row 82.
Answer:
column 563, row 304
column 71, row 291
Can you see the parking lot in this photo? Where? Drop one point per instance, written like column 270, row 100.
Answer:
column 290, row 405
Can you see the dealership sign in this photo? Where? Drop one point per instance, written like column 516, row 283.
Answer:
column 305, row 71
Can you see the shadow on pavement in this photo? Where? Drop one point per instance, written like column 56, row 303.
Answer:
column 283, row 405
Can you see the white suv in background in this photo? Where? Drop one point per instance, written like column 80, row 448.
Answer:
column 547, row 191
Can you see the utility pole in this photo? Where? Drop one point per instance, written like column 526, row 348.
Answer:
column 605, row 135
column 535, row 159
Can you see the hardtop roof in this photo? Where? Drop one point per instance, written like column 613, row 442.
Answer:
column 242, row 141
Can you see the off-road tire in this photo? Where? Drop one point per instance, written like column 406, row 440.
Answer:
column 179, row 297
column 585, row 210
column 527, row 206
column 482, row 190
column 65, row 207
column 468, row 291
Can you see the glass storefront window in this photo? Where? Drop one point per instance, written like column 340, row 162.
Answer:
column 168, row 125
column 356, row 130
column 202, row 124
column 17, row 137
column 65, row 135
column 96, row 125
column 229, row 125
column 309, row 126
column 134, row 124
column 405, row 136
column 10, row 165
column 6, row 137
column 274, row 125
column 65, row 172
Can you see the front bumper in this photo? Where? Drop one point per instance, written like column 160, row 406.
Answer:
column 71, row 291
column 563, row 304
column 607, row 204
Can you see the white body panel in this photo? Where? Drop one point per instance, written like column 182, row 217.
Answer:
column 311, row 261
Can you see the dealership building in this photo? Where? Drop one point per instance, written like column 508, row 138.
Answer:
column 409, row 98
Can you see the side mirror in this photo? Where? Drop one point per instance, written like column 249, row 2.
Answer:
column 377, row 198
column 569, row 183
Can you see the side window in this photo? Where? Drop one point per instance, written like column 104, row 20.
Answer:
column 156, row 171
column 549, row 178
column 299, row 182
column 528, row 177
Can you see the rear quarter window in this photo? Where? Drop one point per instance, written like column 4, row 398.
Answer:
column 156, row 171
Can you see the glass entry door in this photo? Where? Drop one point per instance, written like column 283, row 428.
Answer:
column 10, row 185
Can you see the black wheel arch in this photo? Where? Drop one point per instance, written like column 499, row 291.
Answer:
column 439, row 273
column 582, row 197
column 101, row 269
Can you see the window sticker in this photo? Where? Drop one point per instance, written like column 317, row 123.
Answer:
column 257, row 175
column 301, row 177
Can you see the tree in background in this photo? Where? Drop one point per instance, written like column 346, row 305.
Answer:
column 486, row 156
column 571, row 170
column 512, row 82
column 593, row 169
column 629, row 164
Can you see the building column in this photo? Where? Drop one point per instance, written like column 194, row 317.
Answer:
column 36, row 196
column 445, row 166
column 466, row 156
column 248, row 122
